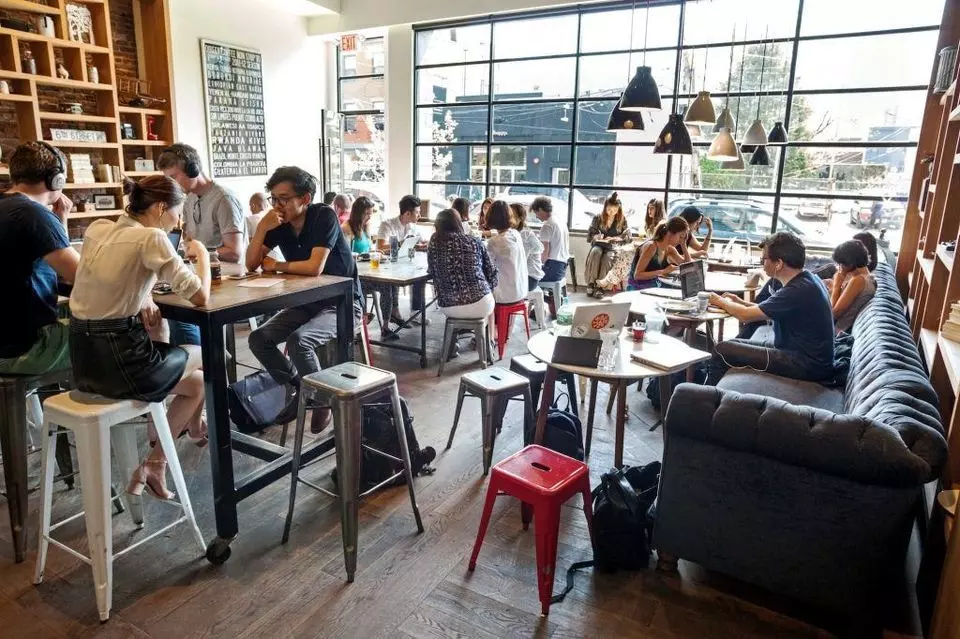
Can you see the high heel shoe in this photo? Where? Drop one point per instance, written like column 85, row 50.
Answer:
column 199, row 439
column 155, row 481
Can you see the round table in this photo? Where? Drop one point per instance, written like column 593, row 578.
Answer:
column 626, row 372
column 641, row 303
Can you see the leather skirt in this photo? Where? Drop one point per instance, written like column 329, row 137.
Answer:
column 116, row 358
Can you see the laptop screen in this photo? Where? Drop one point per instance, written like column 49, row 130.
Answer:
column 691, row 278
column 175, row 236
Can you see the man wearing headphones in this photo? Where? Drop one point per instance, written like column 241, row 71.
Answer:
column 34, row 244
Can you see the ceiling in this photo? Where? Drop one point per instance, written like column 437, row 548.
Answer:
column 306, row 7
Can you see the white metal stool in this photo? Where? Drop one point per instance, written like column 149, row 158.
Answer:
column 346, row 388
column 481, row 331
column 494, row 387
column 556, row 293
column 535, row 298
column 93, row 419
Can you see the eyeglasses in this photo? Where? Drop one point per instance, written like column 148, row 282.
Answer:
column 280, row 200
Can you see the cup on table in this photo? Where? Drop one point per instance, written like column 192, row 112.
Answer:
column 610, row 340
column 374, row 259
column 703, row 302
column 639, row 329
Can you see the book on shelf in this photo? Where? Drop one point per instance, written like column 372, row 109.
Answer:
column 951, row 326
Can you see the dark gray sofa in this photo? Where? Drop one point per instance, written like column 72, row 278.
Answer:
column 813, row 497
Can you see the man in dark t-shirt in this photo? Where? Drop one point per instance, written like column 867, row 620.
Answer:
column 35, row 248
column 310, row 239
column 802, row 347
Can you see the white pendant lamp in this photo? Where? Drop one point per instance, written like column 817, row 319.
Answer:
column 734, row 165
column 724, row 147
column 701, row 110
column 724, row 120
column 738, row 164
column 756, row 135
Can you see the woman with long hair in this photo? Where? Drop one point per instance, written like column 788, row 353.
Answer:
column 658, row 256
column 462, row 206
column 692, row 248
column 507, row 254
column 484, row 209
column 356, row 229
column 853, row 284
column 607, row 232
column 655, row 214
column 114, row 315
column 532, row 246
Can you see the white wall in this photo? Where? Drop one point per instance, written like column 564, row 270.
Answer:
column 399, row 113
column 294, row 78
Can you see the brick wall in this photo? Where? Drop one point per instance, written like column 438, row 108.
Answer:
column 124, row 38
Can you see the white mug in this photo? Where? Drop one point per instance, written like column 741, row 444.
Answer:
column 46, row 27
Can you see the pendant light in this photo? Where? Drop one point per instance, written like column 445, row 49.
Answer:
column 725, row 120
column 756, row 135
column 642, row 91
column 724, row 147
column 701, row 110
column 778, row 135
column 675, row 138
column 621, row 119
column 738, row 164
column 760, row 157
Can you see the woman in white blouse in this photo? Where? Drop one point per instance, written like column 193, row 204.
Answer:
column 532, row 246
column 507, row 254
column 113, row 316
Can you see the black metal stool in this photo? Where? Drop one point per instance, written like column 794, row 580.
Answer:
column 535, row 370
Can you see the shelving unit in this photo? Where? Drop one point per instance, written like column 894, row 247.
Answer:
column 34, row 98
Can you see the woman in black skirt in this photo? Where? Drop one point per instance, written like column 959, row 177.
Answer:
column 114, row 317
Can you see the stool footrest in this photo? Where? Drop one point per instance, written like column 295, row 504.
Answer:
column 386, row 481
column 381, row 453
column 319, row 489
column 78, row 515
column 149, row 537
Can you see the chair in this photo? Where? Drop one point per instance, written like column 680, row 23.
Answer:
column 503, row 317
column 346, row 388
column 93, row 420
column 481, row 331
column 535, row 300
column 494, row 387
column 544, row 480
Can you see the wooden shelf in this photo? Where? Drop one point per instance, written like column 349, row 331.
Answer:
column 83, row 145
column 144, row 143
column 926, row 265
column 75, row 117
column 954, row 115
column 951, row 359
column 85, row 214
column 945, row 257
column 140, row 173
column 57, row 42
column 16, row 97
column 72, row 84
column 92, row 185
column 928, row 344
column 33, row 7
column 143, row 110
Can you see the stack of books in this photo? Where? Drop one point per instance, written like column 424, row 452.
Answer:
column 951, row 327
column 81, row 168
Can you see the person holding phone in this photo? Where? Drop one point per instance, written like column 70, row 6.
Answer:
column 658, row 256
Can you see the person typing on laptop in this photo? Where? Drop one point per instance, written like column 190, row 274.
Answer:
column 802, row 347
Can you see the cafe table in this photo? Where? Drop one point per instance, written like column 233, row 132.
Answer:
column 642, row 303
column 234, row 300
column 404, row 272
column 625, row 372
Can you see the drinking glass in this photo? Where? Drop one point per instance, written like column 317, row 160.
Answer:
column 610, row 338
column 375, row 259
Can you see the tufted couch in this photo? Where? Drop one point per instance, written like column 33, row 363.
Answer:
column 804, row 490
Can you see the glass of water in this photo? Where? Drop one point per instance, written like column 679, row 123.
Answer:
column 610, row 338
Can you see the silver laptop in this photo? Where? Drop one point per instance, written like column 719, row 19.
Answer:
column 588, row 319
column 409, row 244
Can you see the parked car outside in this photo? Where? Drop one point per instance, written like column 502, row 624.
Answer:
column 743, row 220
column 877, row 215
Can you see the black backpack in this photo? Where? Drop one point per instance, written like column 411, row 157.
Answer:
column 379, row 433
column 563, row 432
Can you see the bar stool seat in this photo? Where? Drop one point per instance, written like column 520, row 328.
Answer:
column 535, row 370
column 494, row 387
column 346, row 387
column 481, row 331
column 535, row 300
column 93, row 420
column 556, row 294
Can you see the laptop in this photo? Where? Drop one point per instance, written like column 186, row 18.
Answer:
column 574, row 351
column 692, row 277
column 588, row 319
column 174, row 237
column 408, row 245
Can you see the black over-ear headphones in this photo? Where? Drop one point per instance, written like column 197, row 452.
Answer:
column 191, row 168
column 54, row 178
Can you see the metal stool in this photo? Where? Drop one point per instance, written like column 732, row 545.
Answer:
column 481, row 331
column 494, row 387
column 346, row 388
column 572, row 266
column 535, row 299
column 535, row 370
column 556, row 294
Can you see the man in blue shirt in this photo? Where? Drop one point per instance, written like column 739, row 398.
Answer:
column 310, row 239
column 35, row 247
column 802, row 347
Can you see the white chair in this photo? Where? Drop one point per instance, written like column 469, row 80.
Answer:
column 93, row 420
column 535, row 298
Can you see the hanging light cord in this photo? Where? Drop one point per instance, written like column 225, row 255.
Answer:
column 646, row 29
column 633, row 11
column 743, row 63
column 733, row 38
column 763, row 63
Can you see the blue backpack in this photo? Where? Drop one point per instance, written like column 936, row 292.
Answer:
column 563, row 432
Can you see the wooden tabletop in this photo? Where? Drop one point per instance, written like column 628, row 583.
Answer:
column 229, row 293
column 541, row 346
column 717, row 283
column 730, row 267
column 642, row 303
column 402, row 272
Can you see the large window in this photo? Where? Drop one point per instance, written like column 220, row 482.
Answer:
column 361, row 95
column 516, row 106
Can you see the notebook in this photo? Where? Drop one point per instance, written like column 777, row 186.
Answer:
column 576, row 351
column 666, row 355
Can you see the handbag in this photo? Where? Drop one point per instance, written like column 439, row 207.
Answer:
column 255, row 401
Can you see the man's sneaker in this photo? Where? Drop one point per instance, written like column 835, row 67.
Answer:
column 289, row 412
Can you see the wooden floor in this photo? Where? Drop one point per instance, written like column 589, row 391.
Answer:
column 407, row 585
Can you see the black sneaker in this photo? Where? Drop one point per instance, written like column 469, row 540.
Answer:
column 289, row 412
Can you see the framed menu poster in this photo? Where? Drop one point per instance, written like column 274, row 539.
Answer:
column 233, row 92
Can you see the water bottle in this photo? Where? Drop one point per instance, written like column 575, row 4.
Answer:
column 565, row 313
column 394, row 248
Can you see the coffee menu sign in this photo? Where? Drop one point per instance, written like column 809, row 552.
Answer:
column 233, row 87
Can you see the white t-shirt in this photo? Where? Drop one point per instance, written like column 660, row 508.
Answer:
column 557, row 237
column 506, row 253
column 394, row 227
column 119, row 265
column 533, row 247
column 210, row 216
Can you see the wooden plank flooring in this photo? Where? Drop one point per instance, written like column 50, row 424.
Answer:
column 407, row 585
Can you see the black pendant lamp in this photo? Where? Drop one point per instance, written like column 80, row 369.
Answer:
column 760, row 157
column 778, row 135
column 674, row 139
column 621, row 120
column 642, row 91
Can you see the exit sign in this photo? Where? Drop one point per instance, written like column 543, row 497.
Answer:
column 349, row 42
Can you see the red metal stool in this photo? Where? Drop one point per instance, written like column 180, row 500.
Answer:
column 503, row 318
column 544, row 480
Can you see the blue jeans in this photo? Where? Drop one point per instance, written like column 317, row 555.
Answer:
column 182, row 334
column 554, row 271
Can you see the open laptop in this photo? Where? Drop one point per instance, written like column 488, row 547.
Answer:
column 409, row 244
column 692, row 277
column 588, row 319
column 175, row 235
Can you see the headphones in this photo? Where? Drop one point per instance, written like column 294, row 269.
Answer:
column 54, row 178
column 190, row 168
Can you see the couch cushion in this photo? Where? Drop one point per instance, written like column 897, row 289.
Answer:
column 789, row 390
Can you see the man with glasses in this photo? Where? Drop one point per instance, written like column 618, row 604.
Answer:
column 211, row 214
column 802, row 345
column 311, row 241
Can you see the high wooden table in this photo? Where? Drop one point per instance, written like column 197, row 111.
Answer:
column 715, row 282
column 626, row 372
column 229, row 303
column 404, row 272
